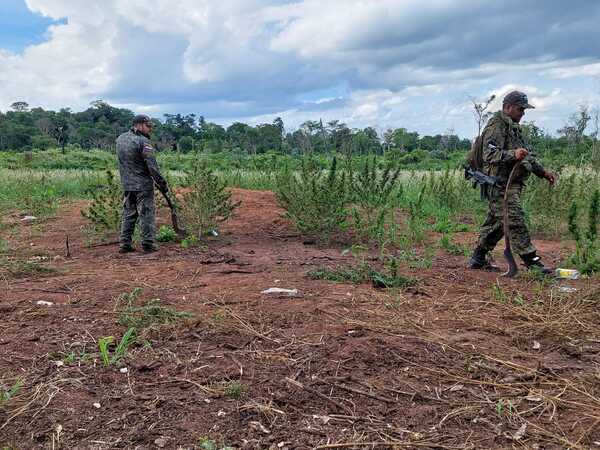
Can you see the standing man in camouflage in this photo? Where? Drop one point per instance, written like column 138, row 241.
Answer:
column 503, row 146
column 139, row 173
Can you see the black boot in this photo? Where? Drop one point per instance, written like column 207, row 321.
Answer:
column 533, row 262
column 126, row 248
column 149, row 248
column 480, row 261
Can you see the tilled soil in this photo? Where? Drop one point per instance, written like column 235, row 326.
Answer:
column 463, row 359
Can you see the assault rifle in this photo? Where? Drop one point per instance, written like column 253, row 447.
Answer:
column 478, row 178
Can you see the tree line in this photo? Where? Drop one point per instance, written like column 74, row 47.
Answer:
column 23, row 128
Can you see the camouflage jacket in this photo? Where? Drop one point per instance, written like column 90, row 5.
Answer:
column 500, row 138
column 137, row 164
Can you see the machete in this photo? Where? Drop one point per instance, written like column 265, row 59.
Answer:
column 180, row 231
column 510, row 259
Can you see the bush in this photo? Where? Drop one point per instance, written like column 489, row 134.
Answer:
column 166, row 234
column 587, row 254
column 106, row 207
column 372, row 192
column 314, row 200
column 208, row 202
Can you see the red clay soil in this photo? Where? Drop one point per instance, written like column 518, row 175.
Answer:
column 463, row 359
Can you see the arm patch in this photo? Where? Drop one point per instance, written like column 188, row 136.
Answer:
column 147, row 150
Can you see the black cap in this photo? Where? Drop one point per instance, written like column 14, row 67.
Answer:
column 517, row 98
column 142, row 118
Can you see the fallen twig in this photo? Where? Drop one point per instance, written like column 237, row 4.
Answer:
column 337, row 405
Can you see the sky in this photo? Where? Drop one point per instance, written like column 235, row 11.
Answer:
column 416, row 64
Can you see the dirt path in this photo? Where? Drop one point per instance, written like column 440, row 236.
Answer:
column 461, row 360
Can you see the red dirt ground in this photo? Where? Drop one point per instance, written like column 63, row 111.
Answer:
column 463, row 359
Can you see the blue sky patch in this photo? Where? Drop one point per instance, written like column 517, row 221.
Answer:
column 19, row 27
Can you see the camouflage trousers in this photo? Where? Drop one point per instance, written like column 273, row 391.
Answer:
column 492, row 229
column 138, row 205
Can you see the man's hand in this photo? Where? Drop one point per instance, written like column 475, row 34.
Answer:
column 550, row 176
column 521, row 153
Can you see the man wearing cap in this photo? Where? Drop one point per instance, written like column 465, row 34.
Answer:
column 504, row 146
column 139, row 173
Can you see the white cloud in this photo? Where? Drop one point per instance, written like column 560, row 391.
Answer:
column 403, row 63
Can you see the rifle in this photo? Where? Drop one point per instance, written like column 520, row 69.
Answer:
column 478, row 178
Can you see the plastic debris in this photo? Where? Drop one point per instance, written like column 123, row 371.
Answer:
column 43, row 303
column 276, row 290
column 567, row 290
column 567, row 274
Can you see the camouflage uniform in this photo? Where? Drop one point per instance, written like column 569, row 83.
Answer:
column 139, row 172
column 500, row 138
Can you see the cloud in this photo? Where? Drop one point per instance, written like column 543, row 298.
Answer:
column 383, row 63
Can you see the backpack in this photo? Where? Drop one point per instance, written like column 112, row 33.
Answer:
column 475, row 155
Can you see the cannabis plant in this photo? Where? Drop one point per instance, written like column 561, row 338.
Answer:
column 372, row 193
column 105, row 210
column 314, row 199
column 207, row 203
column 587, row 251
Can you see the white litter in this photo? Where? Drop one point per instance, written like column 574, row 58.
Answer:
column 123, row 370
column 276, row 290
column 97, row 405
column 43, row 303
column 28, row 219
column 567, row 290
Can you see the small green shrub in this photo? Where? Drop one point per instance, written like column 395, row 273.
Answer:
column 151, row 314
column 107, row 204
column 373, row 194
column 192, row 242
column 166, row 234
column 121, row 349
column 315, row 200
column 587, row 253
column 207, row 203
column 389, row 278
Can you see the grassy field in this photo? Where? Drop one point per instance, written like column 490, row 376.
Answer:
column 37, row 183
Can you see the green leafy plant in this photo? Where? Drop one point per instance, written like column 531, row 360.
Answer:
column 207, row 203
column 105, row 342
column 234, row 389
column 373, row 196
column 166, row 234
column 315, row 200
column 193, row 241
column 587, row 248
column 7, row 393
column 151, row 314
column 206, row 443
column 105, row 210
column 363, row 272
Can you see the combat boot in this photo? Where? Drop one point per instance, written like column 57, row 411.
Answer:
column 533, row 262
column 126, row 248
column 479, row 261
column 150, row 248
